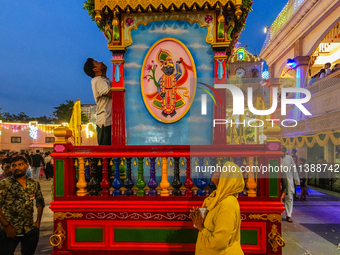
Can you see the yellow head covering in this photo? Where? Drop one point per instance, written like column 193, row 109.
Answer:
column 230, row 183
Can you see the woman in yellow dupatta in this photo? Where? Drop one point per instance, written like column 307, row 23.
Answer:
column 220, row 233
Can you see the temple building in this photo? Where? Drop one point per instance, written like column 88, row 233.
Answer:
column 305, row 37
column 33, row 136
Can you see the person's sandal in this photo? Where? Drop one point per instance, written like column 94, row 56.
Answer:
column 289, row 220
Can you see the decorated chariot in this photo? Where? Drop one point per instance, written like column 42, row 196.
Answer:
column 134, row 196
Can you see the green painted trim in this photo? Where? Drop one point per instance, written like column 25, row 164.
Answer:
column 89, row 235
column 155, row 235
column 249, row 237
column 273, row 178
column 59, row 178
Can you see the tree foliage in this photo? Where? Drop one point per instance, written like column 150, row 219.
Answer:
column 63, row 112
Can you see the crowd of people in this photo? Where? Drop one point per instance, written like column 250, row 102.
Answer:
column 327, row 70
column 39, row 164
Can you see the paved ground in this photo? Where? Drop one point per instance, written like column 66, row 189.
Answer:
column 315, row 231
column 316, row 227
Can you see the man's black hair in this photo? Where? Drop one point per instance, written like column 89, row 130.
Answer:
column 6, row 161
column 17, row 158
column 28, row 157
column 88, row 67
column 303, row 160
column 37, row 151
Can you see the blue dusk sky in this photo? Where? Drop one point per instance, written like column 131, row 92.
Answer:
column 44, row 44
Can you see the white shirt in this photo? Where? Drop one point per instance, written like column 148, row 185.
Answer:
column 100, row 87
column 328, row 71
column 292, row 174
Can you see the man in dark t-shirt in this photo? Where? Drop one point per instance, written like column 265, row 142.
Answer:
column 37, row 159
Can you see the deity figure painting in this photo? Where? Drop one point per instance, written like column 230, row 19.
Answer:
column 170, row 81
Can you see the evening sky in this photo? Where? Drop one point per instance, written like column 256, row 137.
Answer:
column 44, row 44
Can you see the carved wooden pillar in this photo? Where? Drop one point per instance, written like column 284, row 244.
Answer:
column 128, row 182
column 105, row 180
column 176, row 184
column 251, row 184
column 116, row 182
column 81, row 184
column 164, row 183
column 140, row 183
column 118, row 95
column 188, row 183
column 152, row 182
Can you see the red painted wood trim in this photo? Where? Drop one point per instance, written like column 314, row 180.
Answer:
column 159, row 206
column 219, row 132
column 118, row 118
column 168, row 151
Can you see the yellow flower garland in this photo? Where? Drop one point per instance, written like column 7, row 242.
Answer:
column 292, row 142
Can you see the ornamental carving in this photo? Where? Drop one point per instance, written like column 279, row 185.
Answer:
column 142, row 20
column 59, row 236
column 274, row 239
column 66, row 215
column 270, row 217
column 147, row 4
column 136, row 216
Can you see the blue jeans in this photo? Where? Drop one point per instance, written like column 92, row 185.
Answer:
column 28, row 242
column 35, row 173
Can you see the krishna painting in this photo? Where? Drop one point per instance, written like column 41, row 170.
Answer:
column 168, row 80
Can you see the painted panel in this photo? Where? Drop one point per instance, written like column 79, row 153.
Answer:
column 155, row 235
column 141, row 126
column 249, row 237
column 59, row 178
column 168, row 80
column 273, row 179
column 89, row 234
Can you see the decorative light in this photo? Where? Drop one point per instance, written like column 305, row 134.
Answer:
column 89, row 133
column 265, row 30
column 33, row 132
column 240, row 54
column 265, row 75
column 291, row 63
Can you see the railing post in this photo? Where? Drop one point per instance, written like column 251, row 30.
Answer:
column 188, row 183
column 212, row 184
column 81, row 184
column 201, row 183
column 176, row 184
column 152, row 182
column 128, row 183
column 251, row 184
column 105, row 179
column 116, row 184
column 93, row 184
column 87, row 170
column 165, row 183
column 140, row 182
